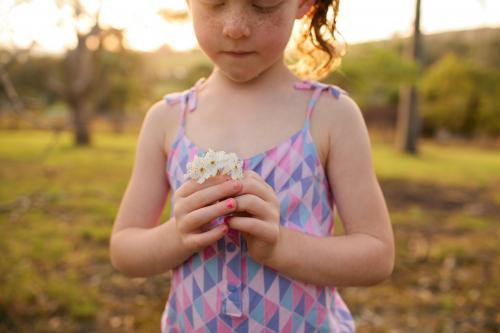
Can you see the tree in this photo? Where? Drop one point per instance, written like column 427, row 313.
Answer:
column 76, row 88
column 6, row 82
column 7, row 59
column 408, row 120
column 80, row 68
column 460, row 96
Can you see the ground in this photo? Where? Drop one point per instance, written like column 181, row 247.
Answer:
column 57, row 205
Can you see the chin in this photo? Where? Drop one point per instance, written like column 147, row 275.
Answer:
column 241, row 76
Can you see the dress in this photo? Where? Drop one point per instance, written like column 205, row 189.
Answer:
column 221, row 288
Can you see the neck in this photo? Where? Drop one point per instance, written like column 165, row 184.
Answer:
column 275, row 77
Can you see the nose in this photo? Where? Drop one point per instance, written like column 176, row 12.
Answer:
column 236, row 25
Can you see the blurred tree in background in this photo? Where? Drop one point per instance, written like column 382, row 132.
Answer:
column 461, row 96
column 459, row 83
column 373, row 75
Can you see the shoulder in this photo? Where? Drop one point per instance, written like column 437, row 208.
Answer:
column 338, row 112
column 158, row 114
column 341, row 117
column 164, row 108
column 161, row 119
column 336, row 102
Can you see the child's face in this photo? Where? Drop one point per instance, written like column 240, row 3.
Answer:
column 260, row 27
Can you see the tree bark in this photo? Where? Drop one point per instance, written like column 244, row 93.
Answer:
column 408, row 125
column 81, row 71
column 408, row 122
column 81, row 123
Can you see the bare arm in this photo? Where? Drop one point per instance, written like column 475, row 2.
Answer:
column 142, row 252
column 365, row 254
column 140, row 246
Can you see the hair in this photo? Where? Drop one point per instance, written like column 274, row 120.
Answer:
column 317, row 52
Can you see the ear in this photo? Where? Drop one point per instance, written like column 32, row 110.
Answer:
column 303, row 8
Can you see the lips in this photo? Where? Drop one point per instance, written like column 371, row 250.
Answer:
column 237, row 53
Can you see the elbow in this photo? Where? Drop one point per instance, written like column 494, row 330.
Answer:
column 384, row 265
column 116, row 257
column 387, row 258
column 387, row 271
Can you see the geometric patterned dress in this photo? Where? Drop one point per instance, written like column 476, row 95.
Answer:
column 221, row 288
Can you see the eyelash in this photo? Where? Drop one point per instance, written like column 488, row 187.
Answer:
column 264, row 9
column 260, row 9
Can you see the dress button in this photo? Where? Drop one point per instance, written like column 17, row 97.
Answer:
column 230, row 247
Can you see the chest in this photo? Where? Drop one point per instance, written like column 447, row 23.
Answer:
column 249, row 132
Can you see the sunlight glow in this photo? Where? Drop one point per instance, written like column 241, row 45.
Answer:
column 145, row 30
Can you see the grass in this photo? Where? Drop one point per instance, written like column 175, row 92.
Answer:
column 58, row 203
column 445, row 165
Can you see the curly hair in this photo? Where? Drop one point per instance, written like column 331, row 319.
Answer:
column 317, row 52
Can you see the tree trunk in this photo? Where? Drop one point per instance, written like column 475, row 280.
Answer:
column 81, row 68
column 81, row 123
column 408, row 122
column 10, row 91
column 408, row 125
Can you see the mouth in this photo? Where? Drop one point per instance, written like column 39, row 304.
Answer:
column 237, row 54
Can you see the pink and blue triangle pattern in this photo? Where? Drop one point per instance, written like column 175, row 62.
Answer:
column 222, row 289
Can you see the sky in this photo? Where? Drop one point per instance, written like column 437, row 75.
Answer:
column 358, row 21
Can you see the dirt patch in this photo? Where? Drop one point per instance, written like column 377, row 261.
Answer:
column 403, row 194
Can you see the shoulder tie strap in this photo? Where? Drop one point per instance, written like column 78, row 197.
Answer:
column 334, row 90
column 318, row 89
column 187, row 98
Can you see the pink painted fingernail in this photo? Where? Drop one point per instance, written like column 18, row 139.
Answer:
column 230, row 203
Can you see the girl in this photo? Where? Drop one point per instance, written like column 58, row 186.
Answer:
column 257, row 254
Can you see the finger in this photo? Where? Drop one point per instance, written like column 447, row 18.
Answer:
column 199, row 241
column 254, row 175
column 255, row 206
column 191, row 185
column 257, row 186
column 255, row 227
column 199, row 217
column 210, row 195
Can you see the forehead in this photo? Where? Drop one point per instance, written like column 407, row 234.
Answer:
column 241, row 1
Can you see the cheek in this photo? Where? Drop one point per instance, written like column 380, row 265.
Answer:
column 205, row 28
column 274, row 32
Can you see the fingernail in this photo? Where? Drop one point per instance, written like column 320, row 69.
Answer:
column 230, row 203
column 236, row 184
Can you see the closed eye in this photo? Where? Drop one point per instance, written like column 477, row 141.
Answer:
column 213, row 4
column 264, row 9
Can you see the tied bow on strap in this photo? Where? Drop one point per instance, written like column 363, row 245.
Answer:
column 308, row 84
column 188, row 98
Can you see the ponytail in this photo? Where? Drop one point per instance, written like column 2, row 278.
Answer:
column 317, row 51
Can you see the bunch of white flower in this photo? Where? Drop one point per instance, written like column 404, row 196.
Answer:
column 213, row 164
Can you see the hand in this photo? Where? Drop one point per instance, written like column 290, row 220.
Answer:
column 260, row 221
column 195, row 205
